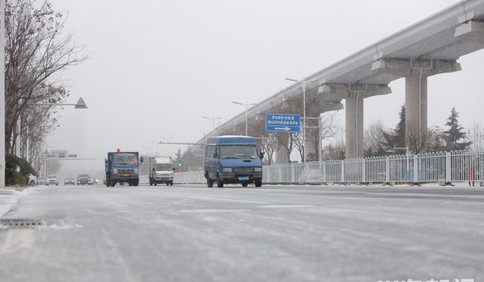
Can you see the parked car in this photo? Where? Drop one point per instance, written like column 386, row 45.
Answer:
column 84, row 179
column 32, row 180
column 52, row 179
column 42, row 180
column 69, row 181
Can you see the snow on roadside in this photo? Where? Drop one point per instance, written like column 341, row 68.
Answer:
column 8, row 198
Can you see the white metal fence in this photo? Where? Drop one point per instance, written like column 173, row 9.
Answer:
column 443, row 167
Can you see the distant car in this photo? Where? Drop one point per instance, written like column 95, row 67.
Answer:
column 52, row 179
column 42, row 180
column 32, row 180
column 84, row 179
column 69, row 181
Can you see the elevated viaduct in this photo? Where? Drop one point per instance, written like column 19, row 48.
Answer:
column 429, row 47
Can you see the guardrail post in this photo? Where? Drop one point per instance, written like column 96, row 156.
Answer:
column 324, row 172
column 448, row 168
column 342, row 171
column 363, row 170
column 415, row 169
column 305, row 169
column 280, row 173
column 387, row 169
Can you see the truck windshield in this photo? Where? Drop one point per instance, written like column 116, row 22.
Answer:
column 163, row 167
column 124, row 159
column 238, row 152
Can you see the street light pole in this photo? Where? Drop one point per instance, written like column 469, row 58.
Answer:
column 303, row 81
column 213, row 120
column 246, row 104
column 167, row 141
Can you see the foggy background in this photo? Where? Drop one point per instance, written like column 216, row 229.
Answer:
column 157, row 67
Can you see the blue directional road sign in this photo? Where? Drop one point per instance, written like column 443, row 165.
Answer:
column 283, row 123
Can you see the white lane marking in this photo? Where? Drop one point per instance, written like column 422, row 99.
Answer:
column 286, row 206
column 232, row 200
column 213, row 211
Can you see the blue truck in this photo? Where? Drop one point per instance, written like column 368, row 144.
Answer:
column 122, row 167
column 233, row 159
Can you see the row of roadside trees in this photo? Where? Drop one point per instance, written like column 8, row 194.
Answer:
column 36, row 50
column 380, row 141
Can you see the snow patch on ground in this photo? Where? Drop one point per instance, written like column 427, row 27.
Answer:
column 8, row 199
column 64, row 226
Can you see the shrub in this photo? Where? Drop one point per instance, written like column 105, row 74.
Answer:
column 12, row 177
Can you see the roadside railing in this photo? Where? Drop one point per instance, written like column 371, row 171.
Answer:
column 441, row 167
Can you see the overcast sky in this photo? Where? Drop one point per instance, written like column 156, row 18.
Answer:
column 157, row 67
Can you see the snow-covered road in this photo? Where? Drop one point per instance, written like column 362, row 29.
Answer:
column 274, row 233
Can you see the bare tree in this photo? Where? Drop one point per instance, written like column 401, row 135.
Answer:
column 317, row 125
column 292, row 142
column 334, row 151
column 35, row 50
column 476, row 135
column 435, row 140
column 416, row 142
column 269, row 147
column 324, row 127
column 373, row 139
column 266, row 141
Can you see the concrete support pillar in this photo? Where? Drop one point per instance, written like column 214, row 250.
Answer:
column 310, row 147
column 416, row 72
column 415, row 108
column 354, row 126
column 354, row 95
column 281, row 154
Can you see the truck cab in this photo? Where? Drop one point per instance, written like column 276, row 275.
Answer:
column 122, row 167
column 233, row 159
column 161, row 170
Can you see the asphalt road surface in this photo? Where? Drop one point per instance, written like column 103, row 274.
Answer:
column 273, row 233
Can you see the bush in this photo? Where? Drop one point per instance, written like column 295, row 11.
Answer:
column 12, row 177
column 12, row 162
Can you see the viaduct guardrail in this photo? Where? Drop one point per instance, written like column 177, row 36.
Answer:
column 444, row 168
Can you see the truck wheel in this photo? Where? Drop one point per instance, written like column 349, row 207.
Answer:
column 209, row 183
column 258, row 183
column 151, row 182
column 136, row 183
column 220, row 182
column 245, row 184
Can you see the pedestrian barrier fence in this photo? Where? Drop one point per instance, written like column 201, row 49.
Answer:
column 441, row 167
